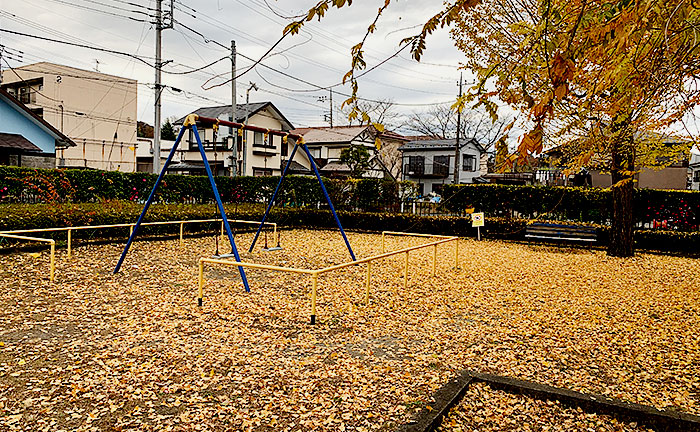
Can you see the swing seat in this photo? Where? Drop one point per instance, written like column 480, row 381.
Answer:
column 228, row 255
column 272, row 249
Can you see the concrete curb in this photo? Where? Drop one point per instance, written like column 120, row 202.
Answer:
column 452, row 392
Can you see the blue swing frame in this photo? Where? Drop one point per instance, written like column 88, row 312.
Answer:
column 300, row 143
column 189, row 124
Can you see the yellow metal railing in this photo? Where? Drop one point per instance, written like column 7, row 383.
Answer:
column 131, row 228
column 52, row 243
column 69, row 230
column 315, row 273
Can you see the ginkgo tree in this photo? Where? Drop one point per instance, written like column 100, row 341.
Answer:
column 608, row 81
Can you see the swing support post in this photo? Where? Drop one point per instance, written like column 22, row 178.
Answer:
column 190, row 122
column 274, row 196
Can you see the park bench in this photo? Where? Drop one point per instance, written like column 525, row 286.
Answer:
column 551, row 231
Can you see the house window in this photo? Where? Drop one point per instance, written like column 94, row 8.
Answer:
column 262, row 172
column 258, row 139
column 696, row 176
column 284, row 149
column 315, row 152
column 441, row 165
column 468, row 163
column 415, row 166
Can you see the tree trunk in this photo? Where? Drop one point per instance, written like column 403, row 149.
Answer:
column 621, row 242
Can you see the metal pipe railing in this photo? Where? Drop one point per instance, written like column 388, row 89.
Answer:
column 131, row 227
column 52, row 243
column 316, row 273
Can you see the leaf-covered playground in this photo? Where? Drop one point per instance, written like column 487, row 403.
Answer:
column 134, row 351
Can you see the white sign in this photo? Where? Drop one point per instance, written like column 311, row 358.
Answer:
column 477, row 220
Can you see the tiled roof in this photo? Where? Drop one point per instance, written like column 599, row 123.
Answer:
column 62, row 141
column 18, row 142
column 338, row 134
column 225, row 110
column 437, row 144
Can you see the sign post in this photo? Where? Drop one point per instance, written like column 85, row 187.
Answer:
column 478, row 222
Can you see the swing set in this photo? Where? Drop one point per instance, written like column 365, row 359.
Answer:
column 191, row 124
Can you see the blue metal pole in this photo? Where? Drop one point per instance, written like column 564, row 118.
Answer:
column 328, row 199
column 221, row 207
column 149, row 200
column 274, row 195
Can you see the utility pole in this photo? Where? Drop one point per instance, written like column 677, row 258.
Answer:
column 234, row 132
column 159, row 91
column 328, row 117
column 459, row 124
column 331, row 89
column 158, row 87
column 245, row 122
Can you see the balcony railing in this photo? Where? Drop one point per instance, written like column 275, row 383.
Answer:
column 435, row 170
column 210, row 146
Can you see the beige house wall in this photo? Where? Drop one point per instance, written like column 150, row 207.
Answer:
column 97, row 111
column 667, row 178
column 265, row 119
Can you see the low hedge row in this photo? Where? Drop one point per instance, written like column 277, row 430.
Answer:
column 19, row 216
column 38, row 185
column 680, row 209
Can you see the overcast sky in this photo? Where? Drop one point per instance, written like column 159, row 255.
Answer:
column 319, row 55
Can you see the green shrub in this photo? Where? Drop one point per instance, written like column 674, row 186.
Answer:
column 680, row 209
column 38, row 185
column 28, row 216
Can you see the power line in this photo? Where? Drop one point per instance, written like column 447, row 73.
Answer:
column 100, row 10
column 197, row 69
column 77, row 45
column 110, row 51
column 317, row 87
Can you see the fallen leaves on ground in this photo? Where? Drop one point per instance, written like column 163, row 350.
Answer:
column 486, row 410
column 132, row 351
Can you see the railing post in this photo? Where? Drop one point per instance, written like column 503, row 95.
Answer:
column 182, row 227
column 53, row 260
column 69, row 242
column 201, row 283
column 383, row 250
column 314, row 287
column 405, row 273
column 434, row 258
column 457, row 252
column 222, row 228
column 367, row 282
column 131, row 230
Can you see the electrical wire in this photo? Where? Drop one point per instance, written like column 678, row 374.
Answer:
column 64, row 2
column 78, row 45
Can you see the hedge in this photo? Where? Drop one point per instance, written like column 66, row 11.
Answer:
column 679, row 209
column 38, row 185
column 25, row 216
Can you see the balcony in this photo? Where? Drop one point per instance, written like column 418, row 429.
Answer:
column 209, row 146
column 434, row 170
column 262, row 149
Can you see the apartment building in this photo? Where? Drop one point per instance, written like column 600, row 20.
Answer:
column 95, row 110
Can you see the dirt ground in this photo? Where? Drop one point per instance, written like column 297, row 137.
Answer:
column 133, row 352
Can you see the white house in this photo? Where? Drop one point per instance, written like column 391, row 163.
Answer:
column 694, row 169
column 327, row 143
column 430, row 163
column 257, row 155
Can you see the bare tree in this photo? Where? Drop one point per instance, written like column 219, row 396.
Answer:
column 382, row 111
column 440, row 122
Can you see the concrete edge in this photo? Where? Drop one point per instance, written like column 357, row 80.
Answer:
column 428, row 419
column 451, row 393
